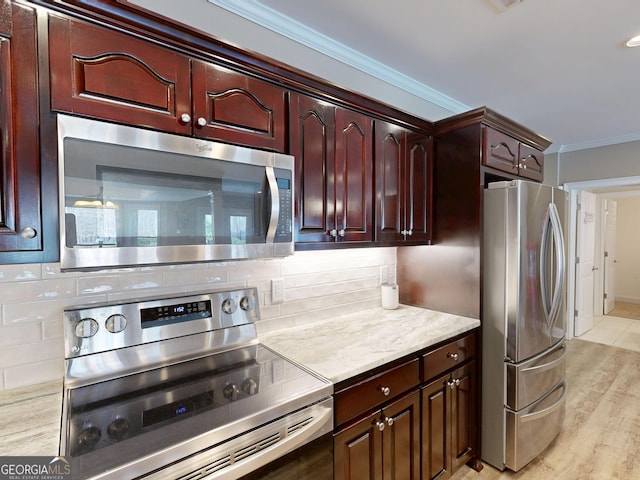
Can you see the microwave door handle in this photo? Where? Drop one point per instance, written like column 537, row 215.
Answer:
column 274, row 204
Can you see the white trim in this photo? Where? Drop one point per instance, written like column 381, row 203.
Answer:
column 275, row 21
column 602, row 183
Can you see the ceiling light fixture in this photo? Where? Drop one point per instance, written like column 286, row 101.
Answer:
column 634, row 42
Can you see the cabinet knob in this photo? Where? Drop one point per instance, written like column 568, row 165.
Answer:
column 333, row 232
column 185, row 118
column 380, row 425
column 202, row 122
column 409, row 232
column 385, row 390
column 453, row 356
column 28, row 232
column 341, row 233
column 389, row 420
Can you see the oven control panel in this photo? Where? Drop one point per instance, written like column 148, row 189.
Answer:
column 101, row 328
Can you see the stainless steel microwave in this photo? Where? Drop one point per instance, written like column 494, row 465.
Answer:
column 130, row 196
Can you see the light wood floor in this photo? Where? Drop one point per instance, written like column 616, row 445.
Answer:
column 600, row 439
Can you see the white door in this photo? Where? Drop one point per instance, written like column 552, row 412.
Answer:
column 610, row 256
column 585, row 263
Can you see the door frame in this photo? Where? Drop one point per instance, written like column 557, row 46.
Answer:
column 573, row 188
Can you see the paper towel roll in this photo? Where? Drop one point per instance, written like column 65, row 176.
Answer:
column 389, row 296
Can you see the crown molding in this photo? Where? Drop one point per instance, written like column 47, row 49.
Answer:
column 600, row 142
column 277, row 22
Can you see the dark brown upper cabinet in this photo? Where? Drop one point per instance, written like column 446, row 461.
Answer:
column 333, row 147
column 111, row 75
column 403, row 185
column 22, row 202
column 505, row 153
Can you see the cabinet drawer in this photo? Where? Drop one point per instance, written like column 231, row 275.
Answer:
column 500, row 151
column 448, row 356
column 370, row 393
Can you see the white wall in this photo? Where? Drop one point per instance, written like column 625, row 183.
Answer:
column 318, row 285
column 627, row 251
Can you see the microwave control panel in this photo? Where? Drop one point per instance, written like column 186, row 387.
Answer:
column 285, row 219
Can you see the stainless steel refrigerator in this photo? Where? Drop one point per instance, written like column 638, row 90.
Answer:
column 523, row 321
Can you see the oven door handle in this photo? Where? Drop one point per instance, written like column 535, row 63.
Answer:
column 274, row 204
column 269, row 454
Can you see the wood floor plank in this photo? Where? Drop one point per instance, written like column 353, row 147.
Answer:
column 600, row 439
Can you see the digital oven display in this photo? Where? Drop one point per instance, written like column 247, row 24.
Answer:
column 168, row 314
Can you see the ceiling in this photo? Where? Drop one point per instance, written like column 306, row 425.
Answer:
column 559, row 67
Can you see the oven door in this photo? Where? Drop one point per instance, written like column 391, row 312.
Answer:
column 136, row 197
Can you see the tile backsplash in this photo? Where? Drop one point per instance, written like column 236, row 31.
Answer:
column 317, row 285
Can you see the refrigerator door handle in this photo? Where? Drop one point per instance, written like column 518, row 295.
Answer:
column 546, row 366
column 553, row 228
column 558, row 238
column 535, row 415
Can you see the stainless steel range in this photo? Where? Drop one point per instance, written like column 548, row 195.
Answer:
column 181, row 388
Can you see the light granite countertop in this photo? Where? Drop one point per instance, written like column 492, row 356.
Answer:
column 348, row 345
column 31, row 420
column 335, row 349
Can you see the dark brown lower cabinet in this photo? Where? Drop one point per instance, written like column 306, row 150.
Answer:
column 382, row 446
column 448, row 422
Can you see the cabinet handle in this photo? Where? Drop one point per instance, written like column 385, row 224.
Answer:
column 385, row 390
column 409, row 232
column 28, row 232
column 202, row 122
column 333, row 232
column 453, row 356
column 185, row 118
column 380, row 425
column 341, row 233
column 453, row 383
column 403, row 232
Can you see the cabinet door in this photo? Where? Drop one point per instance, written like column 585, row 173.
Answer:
column 312, row 143
column 418, row 188
column 20, row 199
column 353, row 176
column 436, row 418
column 390, row 147
column 531, row 163
column 357, row 451
column 106, row 74
column 463, row 415
column 401, row 439
column 500, row 151
column 237, row 108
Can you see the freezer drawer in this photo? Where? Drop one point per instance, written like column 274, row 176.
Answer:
column 528, row 381
column 531, row 430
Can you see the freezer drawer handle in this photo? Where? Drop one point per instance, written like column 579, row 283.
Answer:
column 549, row 365
column 546, row 411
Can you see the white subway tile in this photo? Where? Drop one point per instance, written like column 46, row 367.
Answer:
column 19, row 273
column 93, row 285
column 45, row 310
column 14, row 356
column 33, row 373
column 17, row 335
column 52, row 330
column 203, row 274
column 18, row 292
